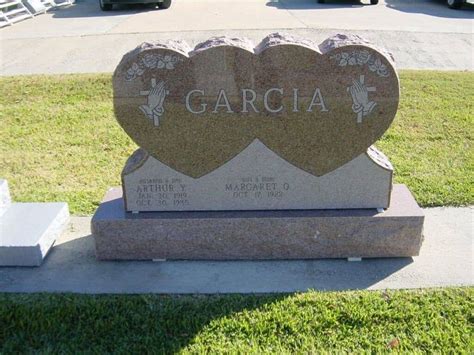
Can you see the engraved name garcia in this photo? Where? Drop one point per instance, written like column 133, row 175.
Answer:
column 272, row 101
column 248, row 101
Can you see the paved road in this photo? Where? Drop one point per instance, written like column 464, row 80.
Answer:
column 445, row 260
column 81, row 38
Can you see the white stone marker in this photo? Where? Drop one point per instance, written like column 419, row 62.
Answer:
column 28, row 230
column 5, row 199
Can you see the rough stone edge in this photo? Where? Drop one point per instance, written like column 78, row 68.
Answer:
column 379, row 158
column 135, row 161
column 273, row 39
column 179, row 46
column 243, row 43
column 5, row 198
column 56, row 227
column 281, row 38
column 342, row 40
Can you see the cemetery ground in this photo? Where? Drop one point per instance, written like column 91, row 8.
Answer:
column 60, row 141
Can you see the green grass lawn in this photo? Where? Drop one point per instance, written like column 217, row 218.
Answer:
column 60, row 141
column 428, row 321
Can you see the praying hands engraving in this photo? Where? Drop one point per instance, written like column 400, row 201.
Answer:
column 155, row 98
column 360, row 98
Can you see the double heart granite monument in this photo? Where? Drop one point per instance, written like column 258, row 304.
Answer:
column 257, row 153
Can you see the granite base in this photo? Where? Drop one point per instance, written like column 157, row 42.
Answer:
column 258, row 235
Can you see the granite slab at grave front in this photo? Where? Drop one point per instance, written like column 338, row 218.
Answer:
column 28, row 230
column 229, row 126
column 258, row 235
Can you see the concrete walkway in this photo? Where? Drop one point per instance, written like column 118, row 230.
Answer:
column 446, row 259
column 422, row 34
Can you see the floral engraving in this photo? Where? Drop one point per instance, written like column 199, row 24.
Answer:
column 151, row 61
column 134, row 71
column 378, row 67
column 155, row 98
column 362, row 57
column 361, row 105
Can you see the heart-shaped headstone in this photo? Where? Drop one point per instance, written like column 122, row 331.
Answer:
column 318, row 107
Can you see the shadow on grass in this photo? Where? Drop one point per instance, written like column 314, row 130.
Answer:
column 111, row 323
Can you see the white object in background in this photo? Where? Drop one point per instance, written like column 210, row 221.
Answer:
column 12, row 11
column 53, row 3
column 5, row 199
column 36, row 7
column 48, row 4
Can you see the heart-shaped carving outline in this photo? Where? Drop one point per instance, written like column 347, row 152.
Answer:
column 345, row 53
